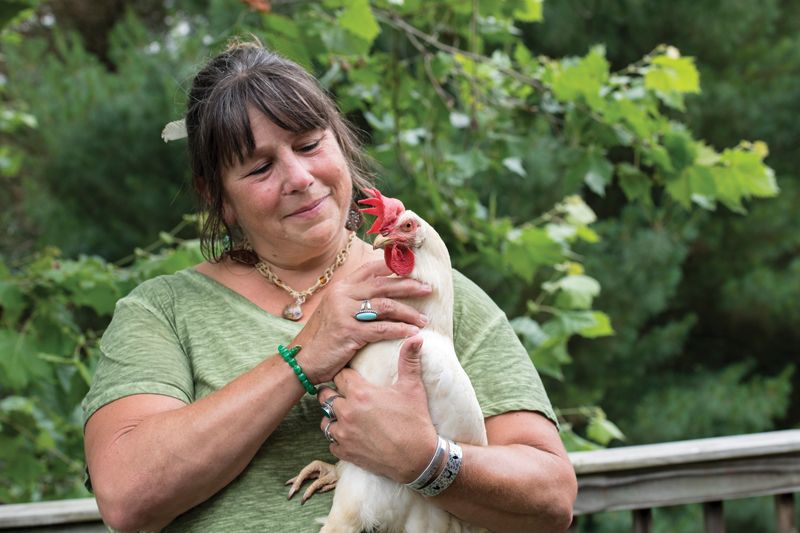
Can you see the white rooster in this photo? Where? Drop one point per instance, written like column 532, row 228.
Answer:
column 365, row 501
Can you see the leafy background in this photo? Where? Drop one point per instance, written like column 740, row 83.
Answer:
column 618, row 175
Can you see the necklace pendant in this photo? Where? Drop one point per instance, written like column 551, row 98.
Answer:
column 293, row 312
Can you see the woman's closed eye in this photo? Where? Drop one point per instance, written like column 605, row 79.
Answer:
column 260, row 169
column 309, row 147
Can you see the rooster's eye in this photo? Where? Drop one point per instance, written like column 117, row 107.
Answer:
column 408, row 226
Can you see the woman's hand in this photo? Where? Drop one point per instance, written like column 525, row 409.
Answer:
column 332, row 335
column 387, row 431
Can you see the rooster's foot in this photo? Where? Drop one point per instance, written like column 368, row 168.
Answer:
column 325, row 477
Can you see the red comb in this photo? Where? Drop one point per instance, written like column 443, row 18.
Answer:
column 386, row 209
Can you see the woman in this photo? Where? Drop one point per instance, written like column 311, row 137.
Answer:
column 194, row 422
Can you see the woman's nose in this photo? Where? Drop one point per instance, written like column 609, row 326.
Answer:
column 297, row 176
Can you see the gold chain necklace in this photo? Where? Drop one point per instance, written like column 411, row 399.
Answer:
column 293, row 310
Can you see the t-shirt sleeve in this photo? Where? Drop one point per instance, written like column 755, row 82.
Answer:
column 140, row 352
column 495, row 360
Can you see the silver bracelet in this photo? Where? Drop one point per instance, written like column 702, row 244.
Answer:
column 425, row 477
column 448, row 475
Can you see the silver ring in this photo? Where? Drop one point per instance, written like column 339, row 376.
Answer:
column 327, row 433
column 366, row 313
column 327, row 407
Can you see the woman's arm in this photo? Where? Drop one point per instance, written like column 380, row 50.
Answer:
column 152, row 457
column 522, row 481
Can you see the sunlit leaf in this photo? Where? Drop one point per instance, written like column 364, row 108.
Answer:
column 577, row 292
column 582, row 78
column 530, row 248
column 673, row 74
column 600, row 328
column 587, row 234
column 530, row 12
column 358, row 19
column 514, row 164
column 602, row 430
column 577, row 211
column 680, row 190
column 575, row 443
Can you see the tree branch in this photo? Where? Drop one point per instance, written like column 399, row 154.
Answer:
column 396, row 21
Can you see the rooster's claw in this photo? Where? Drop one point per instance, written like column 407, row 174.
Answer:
column 325, row 477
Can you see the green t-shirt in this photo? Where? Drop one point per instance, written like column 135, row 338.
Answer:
column 186, row 335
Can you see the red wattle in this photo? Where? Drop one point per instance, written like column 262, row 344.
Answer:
column 399, row 259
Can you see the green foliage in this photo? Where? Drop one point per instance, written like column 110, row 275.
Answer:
column 95, row 162
column 52, row 312
column 13, row 121
column 15, row 9
column 730, row 401
column 735, row 299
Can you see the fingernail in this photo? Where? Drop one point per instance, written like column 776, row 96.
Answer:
column 427, row 286
column 423, row 319
column 414, row 330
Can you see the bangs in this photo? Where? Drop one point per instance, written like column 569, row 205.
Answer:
column 285, row 102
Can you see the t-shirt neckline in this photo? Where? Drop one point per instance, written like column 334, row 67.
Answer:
column 214, row 284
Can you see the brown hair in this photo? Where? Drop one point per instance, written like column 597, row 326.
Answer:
column 219, row 132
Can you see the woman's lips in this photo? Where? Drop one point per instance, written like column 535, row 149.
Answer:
column 309, row 210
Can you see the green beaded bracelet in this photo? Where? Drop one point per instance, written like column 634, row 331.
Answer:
column 288, row 356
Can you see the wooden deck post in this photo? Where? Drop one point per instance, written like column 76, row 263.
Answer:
column 712, row 515
column 784, row 509
column 642, row 521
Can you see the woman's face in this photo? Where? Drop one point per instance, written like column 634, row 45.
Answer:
column 292, row 194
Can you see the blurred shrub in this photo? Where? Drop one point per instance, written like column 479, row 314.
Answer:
column 52, row 313
column 97, row 176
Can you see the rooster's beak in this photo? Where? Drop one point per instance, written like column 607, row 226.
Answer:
column 381, row 242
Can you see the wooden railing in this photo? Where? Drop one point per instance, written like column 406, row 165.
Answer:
column 707, row 471
column 632, row 478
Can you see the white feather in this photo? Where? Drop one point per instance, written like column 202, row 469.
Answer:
column 363, row 500
column 174, row 130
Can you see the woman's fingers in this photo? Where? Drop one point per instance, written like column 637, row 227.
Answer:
column 387, row 330
column 326, row 393
column 374, row 279
column 371, row 269
column 333, row 335
column 392, row 287
column 347, row 378
column 388, row 309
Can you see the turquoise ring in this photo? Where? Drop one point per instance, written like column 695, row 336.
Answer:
column 366, row 313
column 327, row 407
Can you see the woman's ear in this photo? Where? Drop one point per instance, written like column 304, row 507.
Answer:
column 228, row 216
column 201, row 187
